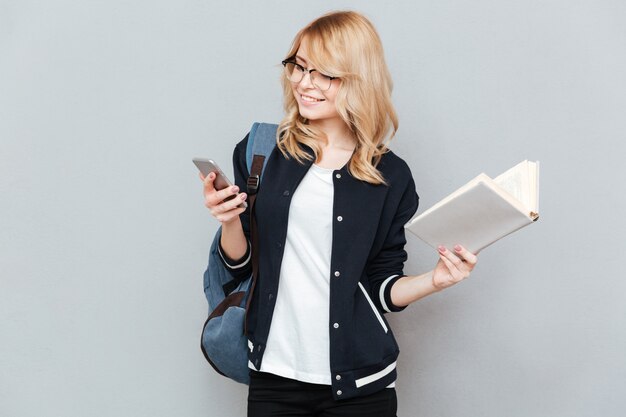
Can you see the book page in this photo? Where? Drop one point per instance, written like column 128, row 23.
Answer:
column 518, row 181
column 535, row 193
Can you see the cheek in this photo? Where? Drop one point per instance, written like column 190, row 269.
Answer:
column 331, row 97
column 294, row 90
column 330, row 104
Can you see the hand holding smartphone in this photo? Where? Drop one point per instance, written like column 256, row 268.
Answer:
column 221, row 181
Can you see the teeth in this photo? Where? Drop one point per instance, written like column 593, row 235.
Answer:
column 310, row 99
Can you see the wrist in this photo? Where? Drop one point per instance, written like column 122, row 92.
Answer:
column 233, row 223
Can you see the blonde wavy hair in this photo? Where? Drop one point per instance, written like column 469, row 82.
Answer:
column 344, row 45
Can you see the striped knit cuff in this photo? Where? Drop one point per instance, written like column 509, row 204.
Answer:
column 385, row 294
column 234, row 264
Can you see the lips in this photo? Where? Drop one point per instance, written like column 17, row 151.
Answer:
column 310, row 99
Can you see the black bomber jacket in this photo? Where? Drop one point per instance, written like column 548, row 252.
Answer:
column 367, row 258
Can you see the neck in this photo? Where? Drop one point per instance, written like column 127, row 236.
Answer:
column 337, row 132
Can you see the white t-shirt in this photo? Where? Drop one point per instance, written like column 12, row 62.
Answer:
column 298, row 342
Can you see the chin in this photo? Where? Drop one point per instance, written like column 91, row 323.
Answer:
column 307, row 114
column 312, row 115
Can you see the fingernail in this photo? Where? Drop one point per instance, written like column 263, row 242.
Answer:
column 457, row 248
column 243, row 196
column 211, row 175
column 234, row 189
column 441, row 248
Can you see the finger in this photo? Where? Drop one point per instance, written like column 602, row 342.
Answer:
column 201, row 176
column 468, row 256
column 227, row 192
column 225, row 217
column 213, row 197
column 208, row 183
column 447, row 263
column 217, row 206
column 450, row 256
column 234, row 203
column 455, row 274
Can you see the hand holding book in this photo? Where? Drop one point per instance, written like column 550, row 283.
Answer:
column 471, row 218
column 452, row 267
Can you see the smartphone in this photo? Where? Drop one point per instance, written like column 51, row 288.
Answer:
column 221, row 181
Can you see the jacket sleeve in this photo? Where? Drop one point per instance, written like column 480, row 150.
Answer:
column 240, row 269
column 387, row 267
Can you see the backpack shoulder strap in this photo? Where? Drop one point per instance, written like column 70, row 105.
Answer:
column 261, row 141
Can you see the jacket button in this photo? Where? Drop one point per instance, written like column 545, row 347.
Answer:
column 338, row 175
column 339, row 218
column 278, row 245
column 258, row 350
column 286, row 193
column 339, row 392
column 337, row 273
column 338, row 377
column 336, row 325
column 270, row 297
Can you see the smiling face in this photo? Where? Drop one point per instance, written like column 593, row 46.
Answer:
column 314, row 104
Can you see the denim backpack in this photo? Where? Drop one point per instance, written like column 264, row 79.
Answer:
column 224, row 342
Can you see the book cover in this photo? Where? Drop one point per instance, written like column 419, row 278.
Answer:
column 481, row 212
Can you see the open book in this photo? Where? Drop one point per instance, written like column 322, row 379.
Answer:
column 483, row 210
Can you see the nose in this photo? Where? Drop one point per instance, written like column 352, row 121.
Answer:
column 307, row 80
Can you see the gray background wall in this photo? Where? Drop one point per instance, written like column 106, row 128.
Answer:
column 104, row 237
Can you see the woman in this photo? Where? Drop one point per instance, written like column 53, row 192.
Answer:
column 330, row 216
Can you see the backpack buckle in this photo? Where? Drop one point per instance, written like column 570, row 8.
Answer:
column 253, row 184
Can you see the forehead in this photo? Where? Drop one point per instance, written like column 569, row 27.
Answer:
column 303, row 54
column 314, row 51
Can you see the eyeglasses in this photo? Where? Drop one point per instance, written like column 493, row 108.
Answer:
column 295, row 73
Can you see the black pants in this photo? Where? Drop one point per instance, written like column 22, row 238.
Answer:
column 270, row 395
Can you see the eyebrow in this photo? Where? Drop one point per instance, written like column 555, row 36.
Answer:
column 301, row 59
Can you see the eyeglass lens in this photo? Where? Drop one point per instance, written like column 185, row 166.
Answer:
column 295, row 74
